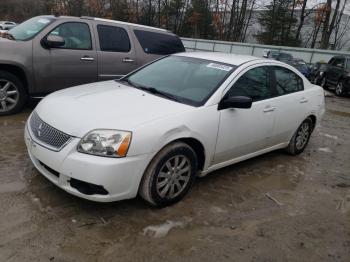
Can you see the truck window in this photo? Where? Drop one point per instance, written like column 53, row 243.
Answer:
column 157, row 43
column 75, row 34
column 113, row 39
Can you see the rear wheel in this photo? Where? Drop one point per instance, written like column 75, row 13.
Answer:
column 12, row 94
column 170, row 175
column 301, row 137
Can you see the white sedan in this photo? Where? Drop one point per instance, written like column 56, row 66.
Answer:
column 158, row 128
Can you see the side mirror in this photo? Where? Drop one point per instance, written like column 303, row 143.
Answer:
column 236, row 102
column 53, row 41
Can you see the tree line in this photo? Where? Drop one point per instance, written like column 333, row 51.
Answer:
column 281, row 22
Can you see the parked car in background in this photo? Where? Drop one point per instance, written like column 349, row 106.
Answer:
column 337, row 75
column 317, row 71
column 48, row 53
column 301, row 65
column 279, row 56
column 185, row 115
column 6, row 25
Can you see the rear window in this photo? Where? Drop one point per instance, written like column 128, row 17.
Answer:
column 113, row 39
column 160, row 44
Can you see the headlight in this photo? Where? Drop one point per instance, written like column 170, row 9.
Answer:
column 109, row 143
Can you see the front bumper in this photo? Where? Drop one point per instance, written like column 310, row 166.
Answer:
column 120, row 177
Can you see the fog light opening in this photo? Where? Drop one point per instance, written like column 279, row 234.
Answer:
column 87, row 188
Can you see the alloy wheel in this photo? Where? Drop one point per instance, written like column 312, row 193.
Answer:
column 302, row 136
column 9, row 95
column 339, row 89
column 173, row 177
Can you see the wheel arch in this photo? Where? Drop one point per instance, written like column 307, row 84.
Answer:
column 313, row 119
column 17, row 71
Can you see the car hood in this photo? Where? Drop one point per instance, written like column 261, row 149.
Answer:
column 106, row 105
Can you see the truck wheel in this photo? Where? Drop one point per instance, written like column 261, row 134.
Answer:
column 339, row 90
column 300, row 138
column 13, row 95
column 170, row 175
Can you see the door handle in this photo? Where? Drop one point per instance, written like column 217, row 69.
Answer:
column 303, row 100
column 87, row 58
column 269, row 109
column 128, row 60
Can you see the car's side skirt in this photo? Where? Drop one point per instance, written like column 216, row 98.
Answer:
column 242, row 158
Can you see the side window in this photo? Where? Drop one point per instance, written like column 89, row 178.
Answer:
column 339, row 62
column 348, row 63
column 157, row 43
column 255, row 84
column 287, row 81
column 76, row 35
column 113, row 39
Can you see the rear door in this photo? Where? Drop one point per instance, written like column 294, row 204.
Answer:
column 291, row 104
column 116, row 52
column 73, row 64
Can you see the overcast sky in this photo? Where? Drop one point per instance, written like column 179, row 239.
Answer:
column 312, row 3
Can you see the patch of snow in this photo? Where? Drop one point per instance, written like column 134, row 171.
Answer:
column 161, row 230
column 325, row 150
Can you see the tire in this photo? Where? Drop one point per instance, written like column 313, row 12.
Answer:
column 339, row 90
column 323, row 82
column 160, row 179
column 13, row 95
column 300, row 138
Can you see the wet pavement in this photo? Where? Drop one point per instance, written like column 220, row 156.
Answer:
column 271, row 208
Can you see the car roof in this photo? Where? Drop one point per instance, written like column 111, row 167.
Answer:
column 225, row 58
column 109, row 21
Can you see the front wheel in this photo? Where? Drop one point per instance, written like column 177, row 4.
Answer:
column 301, row 137
column 323, row 82
column 339, row 90
column 12, row 94
column 170, row 175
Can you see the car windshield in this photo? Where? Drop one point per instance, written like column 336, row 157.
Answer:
column 188, row 80
column 30, row 28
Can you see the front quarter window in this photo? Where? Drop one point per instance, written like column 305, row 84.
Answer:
column 30, row 28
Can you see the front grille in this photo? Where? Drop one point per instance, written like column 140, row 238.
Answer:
column 46, row 134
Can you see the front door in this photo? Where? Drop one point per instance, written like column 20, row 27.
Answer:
column 336, row 70
column 245, row 131
column 73, row 64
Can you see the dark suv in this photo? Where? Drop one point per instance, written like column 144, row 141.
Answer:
column 337, row 75
column 48, row 53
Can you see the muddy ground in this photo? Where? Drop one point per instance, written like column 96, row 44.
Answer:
column 272, row 208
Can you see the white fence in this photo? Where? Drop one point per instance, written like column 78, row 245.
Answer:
column 307, row 54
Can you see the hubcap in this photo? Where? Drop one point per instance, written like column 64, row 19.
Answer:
column 302, row 136
column 339, row 88
column 8, row 95
column 174, row 176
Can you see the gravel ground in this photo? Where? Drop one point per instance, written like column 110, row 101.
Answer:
column 271, row 208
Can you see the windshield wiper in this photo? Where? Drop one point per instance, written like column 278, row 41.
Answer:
column 152, row 90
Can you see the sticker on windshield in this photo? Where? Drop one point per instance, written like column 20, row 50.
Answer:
column 220, row 67
column 43, row 21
